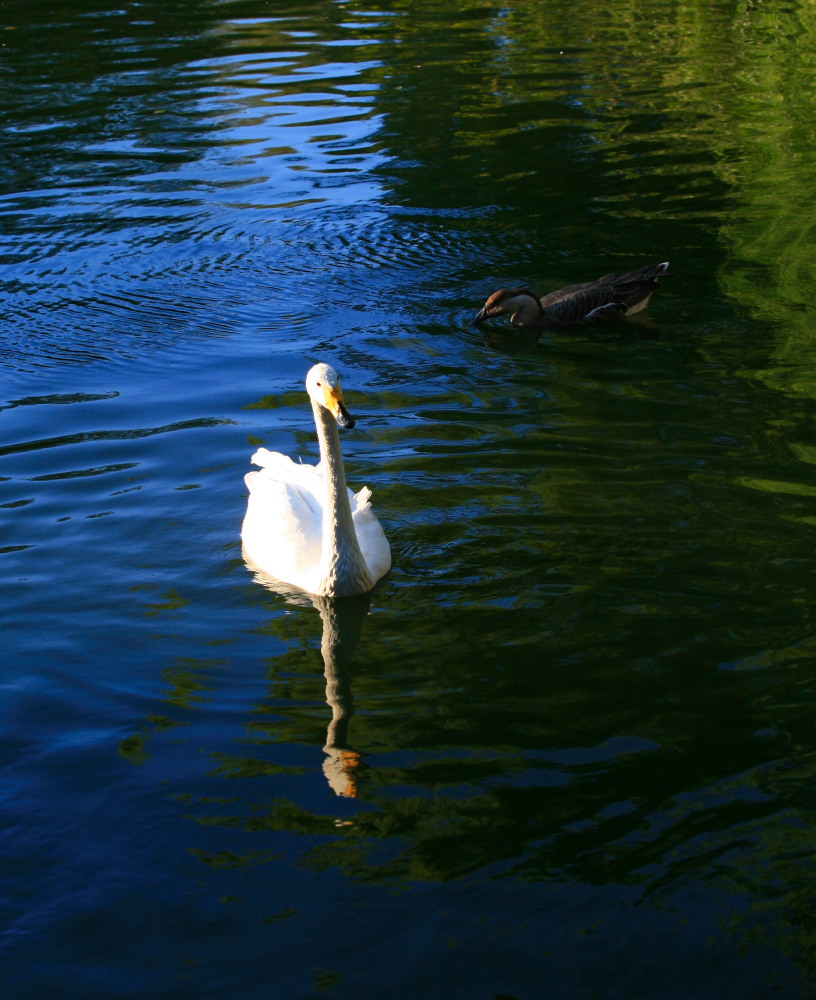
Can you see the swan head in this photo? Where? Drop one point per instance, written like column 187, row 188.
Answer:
column 323, row 386
column 523, row 305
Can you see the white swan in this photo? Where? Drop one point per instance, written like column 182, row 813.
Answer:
column 303, row 525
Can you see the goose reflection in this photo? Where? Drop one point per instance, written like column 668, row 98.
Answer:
column 342, row 619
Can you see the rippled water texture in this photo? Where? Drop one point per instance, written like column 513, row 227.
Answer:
column 566, row 747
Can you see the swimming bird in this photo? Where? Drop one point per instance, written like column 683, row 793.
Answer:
column 303, row 525
column 610, row 297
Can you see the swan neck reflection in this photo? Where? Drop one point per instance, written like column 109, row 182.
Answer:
column 343, row 620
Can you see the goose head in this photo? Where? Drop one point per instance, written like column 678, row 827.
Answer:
column 521, row 303
column 323, row 386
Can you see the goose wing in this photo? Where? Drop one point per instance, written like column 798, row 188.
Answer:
column 609, row 297
column 574, row 303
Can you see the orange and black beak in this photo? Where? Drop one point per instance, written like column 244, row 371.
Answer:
column 335, row 405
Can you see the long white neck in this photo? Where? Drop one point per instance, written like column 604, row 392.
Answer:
column 343, row 570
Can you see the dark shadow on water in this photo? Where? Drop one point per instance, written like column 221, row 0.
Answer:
column 513, row 341
column 527, row 340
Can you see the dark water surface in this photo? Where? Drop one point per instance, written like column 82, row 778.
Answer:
column 567, row 748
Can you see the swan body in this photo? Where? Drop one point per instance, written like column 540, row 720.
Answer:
column 610, row 297
column 303, row 526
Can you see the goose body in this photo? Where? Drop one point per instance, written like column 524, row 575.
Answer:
column 610, row 297
column 303, row 526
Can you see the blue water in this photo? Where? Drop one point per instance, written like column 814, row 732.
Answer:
column 565, row 748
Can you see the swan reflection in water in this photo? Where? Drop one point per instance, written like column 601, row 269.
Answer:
column 342, row 619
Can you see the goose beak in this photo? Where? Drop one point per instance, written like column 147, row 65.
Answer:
column 337, row 407
column 481, row 316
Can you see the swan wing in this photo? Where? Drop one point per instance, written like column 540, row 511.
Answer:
column 373, row 543
column 280, row 468
column 282, row 529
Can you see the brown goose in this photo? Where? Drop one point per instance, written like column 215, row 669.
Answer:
column 610, row 297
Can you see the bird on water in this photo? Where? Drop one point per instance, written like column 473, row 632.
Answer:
column 303, row 526
column 611, row 297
